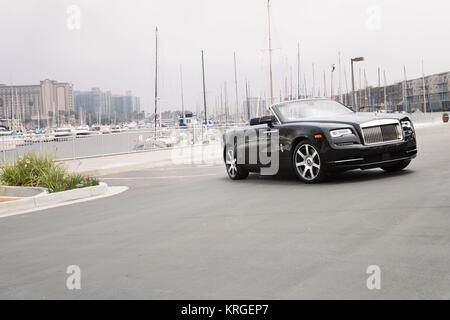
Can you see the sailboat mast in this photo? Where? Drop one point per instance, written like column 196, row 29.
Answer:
column 18, row 109
column 225, row 93
column 340, row 78
column 182, row 96
column 314, row 82
column 405, row 90
column 236, row 84
column 298, row 70
column 346, row 88
column 385, row 95
column 156, row 77
column 360, row 89
column 331, row 81
column 204, row 89
column 12, row 126
column 248, row 102
column 270, row 53
column 366, row 101
column 423, row 86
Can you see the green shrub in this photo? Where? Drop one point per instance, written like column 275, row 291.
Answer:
column 35, row 170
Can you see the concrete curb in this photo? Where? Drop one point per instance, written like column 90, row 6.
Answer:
column 45, row 199
column 21, row 192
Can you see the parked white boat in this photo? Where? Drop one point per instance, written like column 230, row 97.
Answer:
column 96, row 128
column 116, row 129
column 83, row 130
column 4, row 132
column 132, row 126
column 105, row 129
column 64, row 132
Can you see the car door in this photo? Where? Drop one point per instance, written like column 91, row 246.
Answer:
column 255, row 135
column 269, row 142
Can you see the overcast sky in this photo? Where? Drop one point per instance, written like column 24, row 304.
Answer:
column 113, row 48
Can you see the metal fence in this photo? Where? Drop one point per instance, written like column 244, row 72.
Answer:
column 94, row 145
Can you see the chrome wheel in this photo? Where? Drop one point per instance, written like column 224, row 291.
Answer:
column 231, row 163
column 307, row 162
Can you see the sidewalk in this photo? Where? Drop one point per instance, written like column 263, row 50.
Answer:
column 97, row 166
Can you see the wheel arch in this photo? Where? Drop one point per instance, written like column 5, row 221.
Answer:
column 228, row 140
column 296, row 141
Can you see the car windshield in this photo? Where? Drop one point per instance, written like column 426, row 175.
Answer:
column 299, row 110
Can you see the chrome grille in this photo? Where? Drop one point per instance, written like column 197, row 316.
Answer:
column 382, row 133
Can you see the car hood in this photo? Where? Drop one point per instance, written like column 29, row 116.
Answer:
column 353, row 118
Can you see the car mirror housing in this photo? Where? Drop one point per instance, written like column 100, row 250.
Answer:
column 254, row 121
column 263, row 120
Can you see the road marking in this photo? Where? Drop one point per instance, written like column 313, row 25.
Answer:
column 163, row 177
column 112, row 191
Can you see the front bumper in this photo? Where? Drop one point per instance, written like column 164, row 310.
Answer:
column 366, row 157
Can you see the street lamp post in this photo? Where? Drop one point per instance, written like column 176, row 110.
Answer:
column 353, row 81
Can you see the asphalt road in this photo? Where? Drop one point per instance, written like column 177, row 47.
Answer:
column 190, row 232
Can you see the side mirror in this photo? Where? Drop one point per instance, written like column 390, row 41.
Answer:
column 267, row 119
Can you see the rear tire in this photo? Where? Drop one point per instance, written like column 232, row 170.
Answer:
column 235, row 171
column 307, row 163
column 397, row 167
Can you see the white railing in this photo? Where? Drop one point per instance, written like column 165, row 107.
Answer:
column 97, row 144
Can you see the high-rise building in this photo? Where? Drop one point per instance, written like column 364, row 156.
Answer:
column 50, row 102
column 98, row 104
column 126, row 104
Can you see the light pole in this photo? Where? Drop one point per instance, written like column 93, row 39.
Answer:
column 358, row 59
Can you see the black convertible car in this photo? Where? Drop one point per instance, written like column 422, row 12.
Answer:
column 314, row 137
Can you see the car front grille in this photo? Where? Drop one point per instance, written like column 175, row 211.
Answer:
column 382, row 134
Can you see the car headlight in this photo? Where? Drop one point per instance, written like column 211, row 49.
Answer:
column 340, row 133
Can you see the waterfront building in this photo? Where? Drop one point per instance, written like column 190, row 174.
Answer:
column 95, row 103
column 408, row 95
column 105, row 107
column 50, row 103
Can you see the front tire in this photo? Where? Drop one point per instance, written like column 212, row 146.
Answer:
column 397, row 167
column 307, row 163
column 234, row 170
